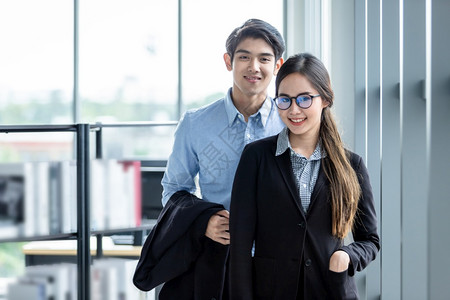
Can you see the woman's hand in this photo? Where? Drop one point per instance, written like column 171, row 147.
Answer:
column 218, row 227
column 339, row 261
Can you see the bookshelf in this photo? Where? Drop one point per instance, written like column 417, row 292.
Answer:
column 82, row 178
column 84, row 232
column 150, row 168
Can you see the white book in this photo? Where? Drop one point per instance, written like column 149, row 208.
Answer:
column 67, row 198
column 117, row 204
column 73, row 196
column 133, row 191
column 42, row 202
column 128, row 191
column 97, row 195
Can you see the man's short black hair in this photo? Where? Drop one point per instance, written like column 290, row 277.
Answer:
column 258, row 29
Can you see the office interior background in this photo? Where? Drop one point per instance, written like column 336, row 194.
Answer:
column 143, row 63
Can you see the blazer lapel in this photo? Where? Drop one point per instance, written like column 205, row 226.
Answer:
column 284, row 164
column 320, row 184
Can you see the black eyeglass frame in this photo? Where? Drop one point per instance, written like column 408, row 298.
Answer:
column 296, row 100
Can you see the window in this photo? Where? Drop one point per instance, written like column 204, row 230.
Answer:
column 36, row 59
column 128, row 60
column 136, row 62
column 204, row 75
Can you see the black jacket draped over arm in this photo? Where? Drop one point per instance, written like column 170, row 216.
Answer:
column 177, row 252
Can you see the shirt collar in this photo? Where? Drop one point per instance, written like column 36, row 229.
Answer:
column 265, row 110
column 231, row 110
column 282, row 141
column 283, row 144
column 233, row 113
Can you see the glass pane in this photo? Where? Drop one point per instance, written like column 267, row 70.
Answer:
column 39, row 146
column 137, row 143
column 128, row 60
column 36, row 59
column 205, row 77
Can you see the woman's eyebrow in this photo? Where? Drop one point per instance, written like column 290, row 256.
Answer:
column 302, row 93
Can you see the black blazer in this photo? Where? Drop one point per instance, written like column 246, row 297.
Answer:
column 178, row 254
column 266, row 209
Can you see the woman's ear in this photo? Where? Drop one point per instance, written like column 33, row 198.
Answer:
column 325, row 104
column 227, row 60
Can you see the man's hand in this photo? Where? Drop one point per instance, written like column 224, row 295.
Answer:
column 339, row 261
column 218, row 227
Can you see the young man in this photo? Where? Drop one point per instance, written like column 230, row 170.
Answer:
column 208, row 144
column 209, row 140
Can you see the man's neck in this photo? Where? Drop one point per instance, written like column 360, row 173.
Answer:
column 247, row 105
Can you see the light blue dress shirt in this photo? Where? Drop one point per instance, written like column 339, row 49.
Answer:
column 208, row 144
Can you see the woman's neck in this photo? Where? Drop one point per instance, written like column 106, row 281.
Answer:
column 304, row 145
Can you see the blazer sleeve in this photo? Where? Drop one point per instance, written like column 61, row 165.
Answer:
column 366, row 243
column 242, row 225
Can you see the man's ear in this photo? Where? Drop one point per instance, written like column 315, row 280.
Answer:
column 278, row 64
column 227, row 60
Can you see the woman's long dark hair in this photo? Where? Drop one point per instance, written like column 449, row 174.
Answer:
column 344, row 185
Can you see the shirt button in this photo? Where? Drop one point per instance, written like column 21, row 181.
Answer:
column 248, row 135
column 308, row 262
column 304, row 185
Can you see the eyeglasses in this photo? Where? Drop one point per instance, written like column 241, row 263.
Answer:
column 303, row 101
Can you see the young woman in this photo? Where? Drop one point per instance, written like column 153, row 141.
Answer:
column 296, row 196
